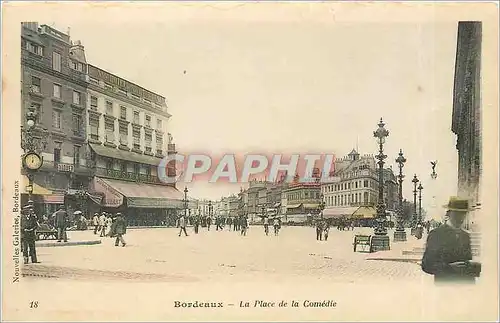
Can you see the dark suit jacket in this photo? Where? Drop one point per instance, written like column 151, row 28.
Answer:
column 444, row 246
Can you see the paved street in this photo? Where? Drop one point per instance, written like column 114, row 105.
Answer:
column 159, row 254
column 158, row 268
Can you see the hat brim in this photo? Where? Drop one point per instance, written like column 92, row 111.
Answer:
column 455, row 209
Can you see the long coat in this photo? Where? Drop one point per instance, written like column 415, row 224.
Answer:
column 61, row 219
column 119, row 226
column 29, row 224
column 444, row 246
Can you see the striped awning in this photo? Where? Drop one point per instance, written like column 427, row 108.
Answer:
column 293, row 206
column 339, row 212
column 140, row 195
column 365, row 212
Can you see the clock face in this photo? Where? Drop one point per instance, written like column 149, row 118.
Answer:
column 33, row 161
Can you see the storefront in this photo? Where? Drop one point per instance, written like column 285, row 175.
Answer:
column 141, row 204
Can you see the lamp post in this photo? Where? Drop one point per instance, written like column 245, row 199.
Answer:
column 210, row 209
column 32, row 161
column 185, row 202
column 381, row 240
column 400, row 233
column 414, row 219
column 420, row 188
column 321, row 205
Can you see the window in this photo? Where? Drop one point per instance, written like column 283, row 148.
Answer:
column 56, row 119
column 148, row 170
column 123, row 167
column 136, row 117
column 36, row 107
column 122, row 92
column 136, row 135
column 148, row 121
column 35, row 49
column 36, row 84
column 57, row 154
column 93, row 103
column 159, row 143
column 109, row 127
column 123, row 135
column 76, row 97
column 109, row 108
column 77, row 125
column 123, row 113
column 76, row 155
column 94, row 128
column 73, row 64
column 56, row 61
column 94, row 81
column 137, row 168
column 57, row 91
column 109, row 164
column 365, row 183
column 158, row 124
column 356, row 184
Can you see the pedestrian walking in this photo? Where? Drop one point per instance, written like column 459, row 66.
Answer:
column 182, row 225
column 276, row 225
column 61, row 219
column 209, row 222
column 235, row 223
column 196, row 224
column 29, row 224
column 119, row 229
column 244, row 226
column 266, row 225
column 326, row 229
column 95, row 221
column 448, row 252
column 109, row 223
column 319, row 230
column 102, row 224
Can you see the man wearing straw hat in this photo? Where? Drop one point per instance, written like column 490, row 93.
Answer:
column 448, row 252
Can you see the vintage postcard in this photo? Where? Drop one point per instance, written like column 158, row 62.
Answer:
column 249, row 161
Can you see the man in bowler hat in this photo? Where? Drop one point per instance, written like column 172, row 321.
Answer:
column 29, row 224
column 448, row 252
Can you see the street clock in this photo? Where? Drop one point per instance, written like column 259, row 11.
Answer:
column 32, row 161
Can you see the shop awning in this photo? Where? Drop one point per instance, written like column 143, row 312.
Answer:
column 141, row 195
column 124, row 155
column 277, row 204
column 339, row 212
column 311, row 206
column 365, row 212
column 293, row 206
column 37, row 189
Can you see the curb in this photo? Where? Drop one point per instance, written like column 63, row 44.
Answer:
column 412, row 260
column 68, row 244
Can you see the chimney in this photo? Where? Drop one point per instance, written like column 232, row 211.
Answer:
column 77, row 52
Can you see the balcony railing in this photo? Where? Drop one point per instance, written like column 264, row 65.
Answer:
column 127, row 176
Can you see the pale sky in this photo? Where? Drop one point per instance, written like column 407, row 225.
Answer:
column 294, row 86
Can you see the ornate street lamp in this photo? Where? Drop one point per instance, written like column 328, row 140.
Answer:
column 210, row 209
column 381, row 240
column 414, row 220
column 400, row 233
column 420, row 188
column 32, row 161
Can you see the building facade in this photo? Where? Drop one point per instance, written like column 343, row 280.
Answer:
column 127, row 136
column 355, row 184
column 53, row 85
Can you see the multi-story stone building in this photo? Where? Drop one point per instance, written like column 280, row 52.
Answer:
column 303, row 198
column 53, row 84
column 127, row 130
column 355, row 184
